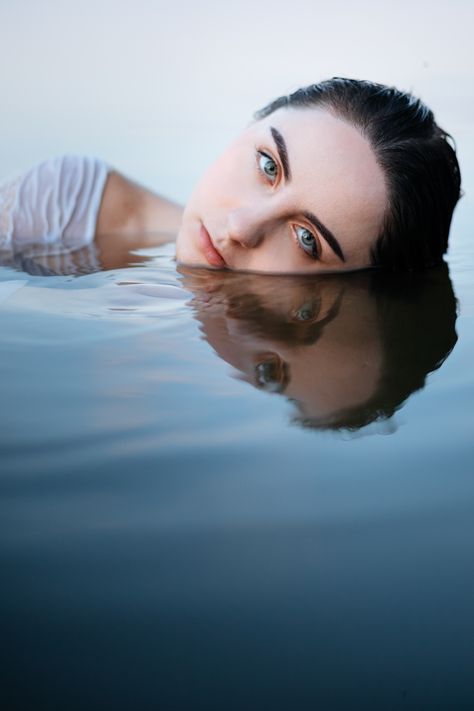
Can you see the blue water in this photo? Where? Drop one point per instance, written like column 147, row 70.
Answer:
column 193, row 515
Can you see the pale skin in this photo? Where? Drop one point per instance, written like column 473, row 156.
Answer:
column 297, row 192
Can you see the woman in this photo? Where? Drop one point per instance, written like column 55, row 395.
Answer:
column 339, row 176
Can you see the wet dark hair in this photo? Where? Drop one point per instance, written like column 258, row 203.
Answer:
column 420, row 165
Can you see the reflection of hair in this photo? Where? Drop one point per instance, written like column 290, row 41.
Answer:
column 420, row 165
column 417, row 317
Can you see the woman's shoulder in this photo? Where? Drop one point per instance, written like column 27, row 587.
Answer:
column 56, row 199
column 68, row 173
column 60, row 166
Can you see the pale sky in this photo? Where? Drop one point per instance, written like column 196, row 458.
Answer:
column 158, row 88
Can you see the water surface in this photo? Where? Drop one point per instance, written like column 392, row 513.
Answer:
column 225, row 491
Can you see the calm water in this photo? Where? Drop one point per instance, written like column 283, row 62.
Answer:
column 222, row 491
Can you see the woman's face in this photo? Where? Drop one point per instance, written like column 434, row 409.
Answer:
column 298, row 192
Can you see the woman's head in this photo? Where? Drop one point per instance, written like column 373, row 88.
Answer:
column 337, row 176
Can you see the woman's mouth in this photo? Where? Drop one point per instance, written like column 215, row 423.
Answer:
column 211, row 254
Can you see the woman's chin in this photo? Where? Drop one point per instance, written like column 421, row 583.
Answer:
column 184, row 250
column 186, row 255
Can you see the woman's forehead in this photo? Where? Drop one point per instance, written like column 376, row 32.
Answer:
column 321, row 144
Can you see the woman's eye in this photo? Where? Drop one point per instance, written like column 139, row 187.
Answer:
column 268, row 166
column 307, row 241
column 305, row 312
column 271, row 373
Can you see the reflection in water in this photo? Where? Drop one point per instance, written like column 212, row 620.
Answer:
column 347, row 349
column 54, row 259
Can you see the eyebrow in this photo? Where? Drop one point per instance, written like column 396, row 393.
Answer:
column 282, row 152
column 310, row 216
column 326, row 234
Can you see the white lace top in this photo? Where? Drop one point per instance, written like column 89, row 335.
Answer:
column 52, row 208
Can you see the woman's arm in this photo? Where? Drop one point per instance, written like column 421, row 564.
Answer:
column 134, row 215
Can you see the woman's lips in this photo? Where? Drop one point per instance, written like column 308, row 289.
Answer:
column 210, row 252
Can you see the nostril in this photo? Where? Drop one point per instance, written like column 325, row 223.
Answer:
column 234, row 226
column 243, row 228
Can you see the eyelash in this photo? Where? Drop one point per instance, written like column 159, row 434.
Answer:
column 316, row 250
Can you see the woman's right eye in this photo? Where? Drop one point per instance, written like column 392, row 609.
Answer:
column 267, row 166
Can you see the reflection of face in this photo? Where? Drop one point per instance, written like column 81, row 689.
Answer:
column 319, row 346
column 298, row 192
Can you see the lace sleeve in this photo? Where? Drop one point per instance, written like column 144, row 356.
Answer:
column 53, row 205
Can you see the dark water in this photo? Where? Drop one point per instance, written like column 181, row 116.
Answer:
column 231, row 492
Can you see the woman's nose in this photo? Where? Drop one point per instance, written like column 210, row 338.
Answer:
column 247, row 226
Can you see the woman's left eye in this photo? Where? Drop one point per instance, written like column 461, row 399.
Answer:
column 268, row 166
column 307, row 241
column 271, row 373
